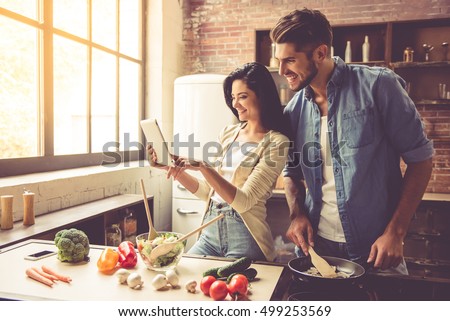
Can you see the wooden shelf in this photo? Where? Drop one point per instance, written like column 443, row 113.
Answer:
column 89, row 215
column 381, row 63
column 433, row 102
column 434, row 64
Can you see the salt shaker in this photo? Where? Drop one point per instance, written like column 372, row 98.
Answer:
column 28, row 208
column 7, row 221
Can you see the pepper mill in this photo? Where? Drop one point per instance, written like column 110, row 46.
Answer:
column 28, row 208
column 7, row 221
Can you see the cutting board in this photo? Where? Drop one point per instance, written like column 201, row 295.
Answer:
column 89, row 284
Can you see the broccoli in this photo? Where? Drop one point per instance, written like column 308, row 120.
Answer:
column 72, row 244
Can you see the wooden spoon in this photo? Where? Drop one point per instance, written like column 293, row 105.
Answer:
column 152, row 234
column 165, row 248
column 321, row 265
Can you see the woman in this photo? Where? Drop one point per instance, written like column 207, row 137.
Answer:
column 252, row 157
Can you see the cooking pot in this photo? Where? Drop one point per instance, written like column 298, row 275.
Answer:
column 300, row 265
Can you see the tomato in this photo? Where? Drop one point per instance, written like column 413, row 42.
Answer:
column 205, row 284
column 241, row 277
column 238, row 287
column 218, row 290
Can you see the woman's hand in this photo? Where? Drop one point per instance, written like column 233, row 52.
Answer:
column 181, row 164
column 153, row 158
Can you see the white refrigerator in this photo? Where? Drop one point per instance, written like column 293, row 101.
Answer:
column 200, row 113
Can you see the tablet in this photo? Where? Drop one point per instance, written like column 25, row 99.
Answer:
column 154, row 136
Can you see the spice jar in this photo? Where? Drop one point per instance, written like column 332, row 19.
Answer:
column 408, row 54
column 7, row 221
column 28, row 208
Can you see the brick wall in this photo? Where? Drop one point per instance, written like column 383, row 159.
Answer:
column 219, row 35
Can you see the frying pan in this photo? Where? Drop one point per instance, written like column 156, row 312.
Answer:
column 300, row 265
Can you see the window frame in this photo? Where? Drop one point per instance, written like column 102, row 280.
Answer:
column 48, row 161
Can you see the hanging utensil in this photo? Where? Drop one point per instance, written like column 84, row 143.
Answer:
column 152, row 234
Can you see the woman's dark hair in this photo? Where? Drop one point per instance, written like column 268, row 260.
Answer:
column 305, row 28
column 260, row 81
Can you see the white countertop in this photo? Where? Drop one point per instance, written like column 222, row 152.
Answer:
column 89, row 284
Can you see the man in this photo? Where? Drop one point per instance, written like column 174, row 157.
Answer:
column 351, row 124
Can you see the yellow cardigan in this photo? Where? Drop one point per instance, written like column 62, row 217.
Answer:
column 255, row 179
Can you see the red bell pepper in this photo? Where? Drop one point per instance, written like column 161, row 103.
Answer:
column 127, row 255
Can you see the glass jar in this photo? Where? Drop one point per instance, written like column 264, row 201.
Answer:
column 113, row 235
column 128, row 225
column 408, row 54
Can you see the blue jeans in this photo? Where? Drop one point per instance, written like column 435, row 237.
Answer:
column 228, row 237
column 326, row 247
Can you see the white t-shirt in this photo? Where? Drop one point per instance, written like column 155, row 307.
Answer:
column 234, row 156
column 330, row 226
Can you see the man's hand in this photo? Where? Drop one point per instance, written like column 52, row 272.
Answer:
column 387, row 251
column 301, row 233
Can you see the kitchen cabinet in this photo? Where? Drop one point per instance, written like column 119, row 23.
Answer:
column 388, row 41
column 92, row 218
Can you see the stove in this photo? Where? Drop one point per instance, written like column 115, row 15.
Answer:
column 302, row 290
column 371, row 287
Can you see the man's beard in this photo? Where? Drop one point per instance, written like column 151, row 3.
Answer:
column 312, row 74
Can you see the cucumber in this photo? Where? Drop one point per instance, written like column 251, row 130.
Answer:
column 250, row 274
column 239, row 265
column 212, row 272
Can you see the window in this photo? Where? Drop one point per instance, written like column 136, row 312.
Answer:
column 71, row 83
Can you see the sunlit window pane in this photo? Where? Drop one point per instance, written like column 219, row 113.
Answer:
column 70, row 97
column 71, row 16
column 18, row 90
column 129, row 105
column 104, row 23
column 103, row 100
column 27, row 8
column 130, row 30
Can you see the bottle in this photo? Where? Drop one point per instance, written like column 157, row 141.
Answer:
column 348, row 52
column 365, row 49
column 408, row 54
column 128, row 226
column 273, row 63
column 332, row 51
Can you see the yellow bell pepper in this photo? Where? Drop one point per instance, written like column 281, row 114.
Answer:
column 107, row 260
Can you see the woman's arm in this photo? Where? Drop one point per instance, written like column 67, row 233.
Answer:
column 260, row 182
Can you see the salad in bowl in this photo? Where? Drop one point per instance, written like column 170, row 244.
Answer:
column 163, row 262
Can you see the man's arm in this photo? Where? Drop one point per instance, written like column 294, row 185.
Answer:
column 387, row 251
column 300, row 231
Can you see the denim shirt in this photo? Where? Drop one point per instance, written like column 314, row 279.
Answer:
column 372, row 123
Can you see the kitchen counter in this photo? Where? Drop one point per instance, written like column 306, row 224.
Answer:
column 89, row 284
